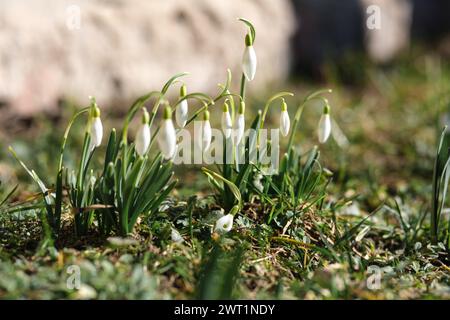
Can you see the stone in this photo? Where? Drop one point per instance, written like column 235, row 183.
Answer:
column 383, row 44
column 117, row 50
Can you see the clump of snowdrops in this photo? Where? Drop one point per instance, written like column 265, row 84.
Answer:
column 135, row 178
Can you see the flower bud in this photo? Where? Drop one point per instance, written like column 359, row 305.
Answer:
column 324, row 128
column 227, row 125
column 204, row 140
column 239, row 125
column 249, row 60
column 167, row 139
column 96, row 128
column 181, row 114
column 224, row 224
column 285, row 122
column 143, row 135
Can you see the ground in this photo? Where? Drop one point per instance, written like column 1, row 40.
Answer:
column 369, row 237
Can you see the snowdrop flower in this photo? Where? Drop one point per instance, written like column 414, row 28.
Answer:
column 227, row 125
column 249, row 59
column 176, row 236
column 285, row 122
column 239, row 125
column 96, row 127
column 324, row 129
column 181, row 114
column 167, row 139
column 143, row 135
column 224, row 224
column 204, row 140
column 257, row 182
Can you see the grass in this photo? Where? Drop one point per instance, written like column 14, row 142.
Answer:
column 374, row 216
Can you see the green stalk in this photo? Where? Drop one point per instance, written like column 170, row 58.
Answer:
column 221, row 95
column 139, row 103
column 243, row 85
column 55, row 220
column 66, row 135
column 298, row 113
column 269, row 102
column 266, row 109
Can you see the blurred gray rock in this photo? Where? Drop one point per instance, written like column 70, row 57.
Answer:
column 393, row 35
column 121, row 49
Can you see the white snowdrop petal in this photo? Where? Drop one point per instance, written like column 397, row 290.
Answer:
column 143, row 139
column 249, row 63
column 199, row 137
column 206, row 135
column 224, row 224
column 167, row 139
column 176, row 236
column 96, row 132
column 324, row 128
column 285, row 123
column 239, row 128
column 181, row 114
column 227, row 124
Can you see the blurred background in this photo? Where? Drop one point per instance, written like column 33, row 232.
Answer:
column 55, row 50
column 386, row 60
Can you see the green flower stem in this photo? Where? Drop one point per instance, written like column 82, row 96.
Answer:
column 250, row 27
column 66, row 135
column 232, row 104
column 298, row 113
column 139, row 103
column 201, row 97
column 221, row 95
column 205, row 106
column 243, row 85
column 269, row 103
column 163, row 92
column 233, row 188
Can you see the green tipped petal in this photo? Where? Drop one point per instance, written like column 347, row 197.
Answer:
column 145, row 116
column 241, row 108
column 167, row 113
column 183, row 91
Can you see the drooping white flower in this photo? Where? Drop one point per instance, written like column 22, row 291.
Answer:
column 96, row 127
column 167, row 139
column 204, row 139
column 207, row 135
column 176, row 236
column 285, row 122
column 324, row 128
column 143, row 135
column 227, row 124
column 257, row 182
column 181, row 114
column 224, row 224
column 96, row 132
column 239, row 125
column 249, row 60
